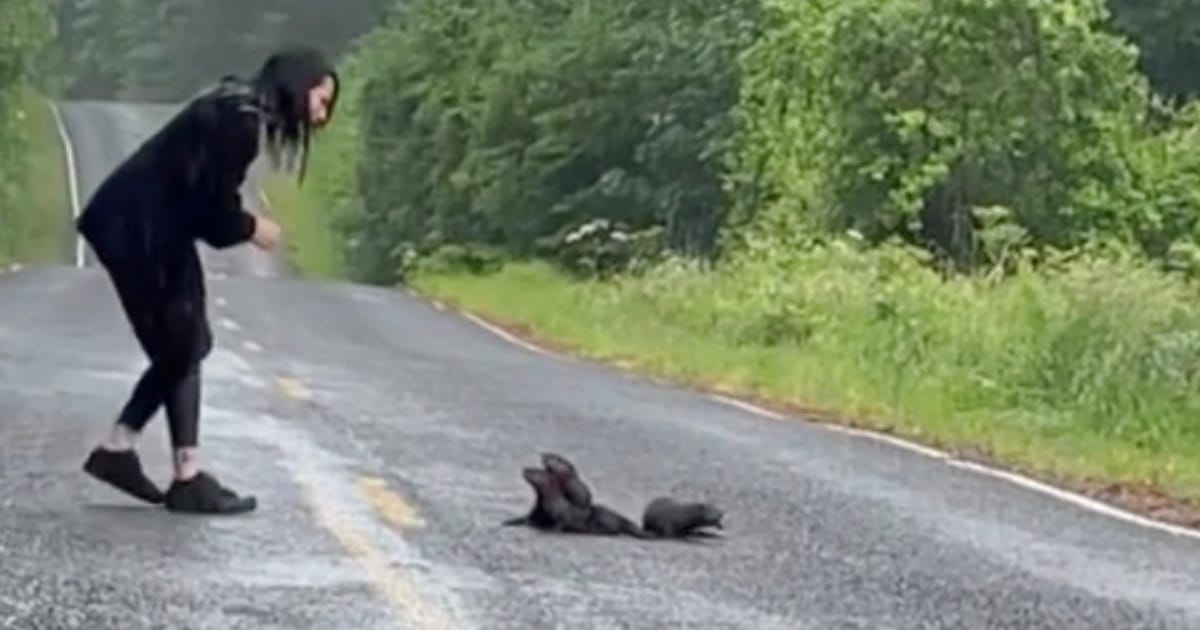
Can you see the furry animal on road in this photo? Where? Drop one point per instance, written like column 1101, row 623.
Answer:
column 665, row 517
column 563, row 503
column 553, row 511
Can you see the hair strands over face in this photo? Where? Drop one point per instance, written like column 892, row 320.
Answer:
column 283, row 83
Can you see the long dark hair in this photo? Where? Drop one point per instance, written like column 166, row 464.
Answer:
column 282, row 84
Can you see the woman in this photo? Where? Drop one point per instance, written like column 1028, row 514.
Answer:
column 142, row 223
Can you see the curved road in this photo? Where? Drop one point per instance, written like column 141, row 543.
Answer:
column 384, row 437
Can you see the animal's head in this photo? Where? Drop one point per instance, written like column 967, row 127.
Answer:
column 538, row 478
column 709, row 515
column 558, row 465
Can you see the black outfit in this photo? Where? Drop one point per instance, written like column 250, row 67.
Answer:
column 180, row 185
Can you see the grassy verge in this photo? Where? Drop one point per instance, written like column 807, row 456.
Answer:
column 1086, row 377
column 37, row 230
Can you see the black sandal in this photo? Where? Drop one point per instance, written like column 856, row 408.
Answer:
column 123, row 471
column 203, row 494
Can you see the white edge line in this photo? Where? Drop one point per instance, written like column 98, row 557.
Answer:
column 1076, row 499
column 747, row 407
column 1023, row 481
column 505, row 335
column 72, row 176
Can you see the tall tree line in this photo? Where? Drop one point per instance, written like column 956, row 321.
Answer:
column 596, row 131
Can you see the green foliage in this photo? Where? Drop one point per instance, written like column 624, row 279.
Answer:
column 1167, row 33
column 1161, row 207
column 454, row 258
column 515, row 123
column 25, row 27
column 977, row 130
column 1100, row 341
column 905, row 117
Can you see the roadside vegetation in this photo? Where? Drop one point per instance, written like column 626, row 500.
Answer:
column 34, row 207
column 971, row 223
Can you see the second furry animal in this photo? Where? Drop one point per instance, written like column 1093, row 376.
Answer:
column 560, row 480
column 552, row 511
column 564, row 503
column 665, row 517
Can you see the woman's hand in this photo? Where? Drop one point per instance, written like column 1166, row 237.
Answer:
column 266, row 232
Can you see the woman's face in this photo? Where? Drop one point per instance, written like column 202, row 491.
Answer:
column 319, row 98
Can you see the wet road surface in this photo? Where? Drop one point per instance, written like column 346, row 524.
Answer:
column 383, row 438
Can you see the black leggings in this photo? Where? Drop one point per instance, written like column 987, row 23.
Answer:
column 180, row 394
column 165, row 305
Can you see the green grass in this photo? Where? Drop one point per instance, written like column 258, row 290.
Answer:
column 37, row 228
column 1089, row 373
column 310, row 243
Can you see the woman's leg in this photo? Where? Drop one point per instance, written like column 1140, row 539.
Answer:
column 115, row 461
column 183, row 419
column 189, row 341
column 194, row 490
column 143, row 403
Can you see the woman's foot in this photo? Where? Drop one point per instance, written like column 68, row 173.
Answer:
column 122, row 469
column 203, row 494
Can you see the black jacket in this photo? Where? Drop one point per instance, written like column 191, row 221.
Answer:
column 181, row 184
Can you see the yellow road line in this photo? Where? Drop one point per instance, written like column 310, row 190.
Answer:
column 360, row 537
column 391, row 506
column 293, row 388
column 397, row 588
column 361, row 542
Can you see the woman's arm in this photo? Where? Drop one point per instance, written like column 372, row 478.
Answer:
column 228, row 128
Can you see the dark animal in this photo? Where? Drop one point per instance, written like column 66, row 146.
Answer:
column 568, row 517
column 564, row 471
column 546, row 508
column 565, row 476
column 564, row 503
column 602, row 519
column 665, row 517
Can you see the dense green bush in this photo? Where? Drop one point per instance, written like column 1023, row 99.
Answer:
column 906, row 117
column 1167, row 33
column 25, row 27
column 973, row 129
column 515, row 123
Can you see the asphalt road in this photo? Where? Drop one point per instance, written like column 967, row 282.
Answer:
column 383, row 438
